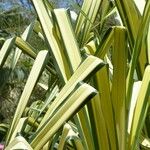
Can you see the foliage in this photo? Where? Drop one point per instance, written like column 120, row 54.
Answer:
column 89, row 99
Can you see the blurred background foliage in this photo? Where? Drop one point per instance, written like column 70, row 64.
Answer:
column 15, row 15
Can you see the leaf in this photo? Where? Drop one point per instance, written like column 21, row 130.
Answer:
column 25, row 37
column 37, row 29
column 5, row 50
column 89, row 65
column 50, row 96
column 73, row 56
column 83, row 124
column 30, row 51
column 135, row 91
column 77, row 142
column 91, row 47
column 63, row 138
column 148, row 45
column 2, row 41
column 3, row 128
column 19, row 143
column 144, row 142
column 62, row 114
column 118, row 93
column 141, row 37
column 33, row 113
column 31, row 82
column 131, row 18
column 103, row 106
column 68, row 37
column 140, row 110
column 84, row 25
column 105, row 44
column 25, row 47
column 50, row 37
column 18, row 128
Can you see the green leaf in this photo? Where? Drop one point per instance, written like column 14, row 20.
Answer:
column 144, row 142
column 105, row 44
column 30, row 51
column 73, row 56
column 77, row 142
column 118, row 93
column 135, row 91
column 141, row 38
column 148, row 45
column 140, row 111
column 63, row 113
column 50, row 96
column 25, row 36
column 104, row 109
column 50, row 37
column 89, row 65
column 68, row 38
column 91, row 47
column 34, row 112
column 25, row 47
column 83, row 123
column 3, row 128
column 84, row 25
column 31, row 82
column 37, row 29
column 5, row 50
column 18, row 128
column 131, row 18
column 2, row 41
column 63, row 138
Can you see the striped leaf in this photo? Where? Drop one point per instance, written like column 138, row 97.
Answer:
column 30, row 84
column 140, row 110
column 118, row 93
column 64, row 112
column 89, row 65
column 50, row 37
column 5, row 50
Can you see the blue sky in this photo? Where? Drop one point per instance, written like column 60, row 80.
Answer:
column 8, row 4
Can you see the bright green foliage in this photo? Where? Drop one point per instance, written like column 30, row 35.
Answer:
column 93, row 72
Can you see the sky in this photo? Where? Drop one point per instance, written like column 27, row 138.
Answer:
column 7, row 4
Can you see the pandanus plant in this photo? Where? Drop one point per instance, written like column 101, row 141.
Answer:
column 98, row 95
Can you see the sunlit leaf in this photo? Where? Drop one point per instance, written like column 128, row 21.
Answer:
column 63, row 138
column 50, row 37
column 68, row 37
column 5, row 50
column 18, row 128
column 141, row 38
column 140, row 111
column 67, row 110
column 89, row 65
column 31, row 82
column 25, row 37
column 84, row 24
column 118, row 93
column 19, row 143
